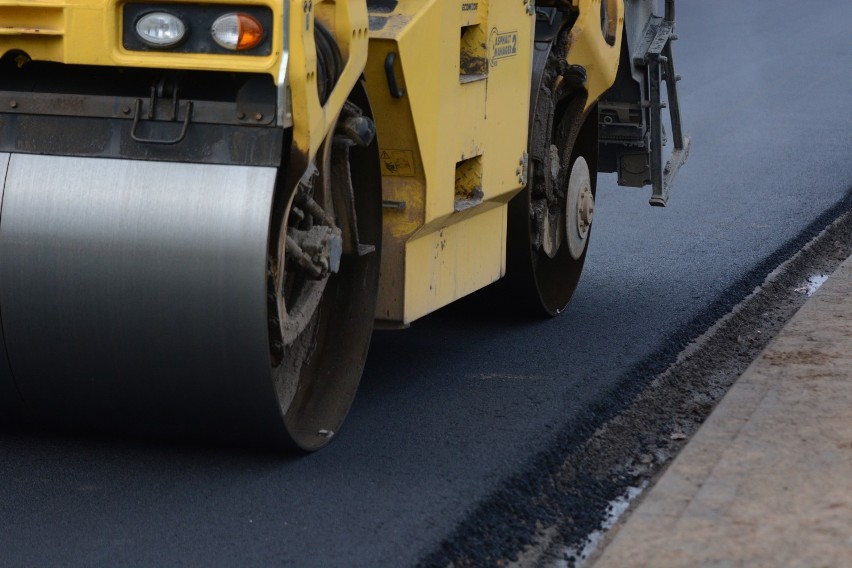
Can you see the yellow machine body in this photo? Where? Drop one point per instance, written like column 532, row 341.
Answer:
column 598, row 53
column 452, row 146
column 88, row 32
column 257, row 212
column 453, row 143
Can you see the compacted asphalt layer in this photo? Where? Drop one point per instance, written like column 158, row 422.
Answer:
column 455, row 407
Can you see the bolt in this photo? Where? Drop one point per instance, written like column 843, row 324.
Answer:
column 258, row 116
column 13, row 104
column 241, row 115
column 125, row 109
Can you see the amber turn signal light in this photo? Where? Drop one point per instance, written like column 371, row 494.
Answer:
column 237, row 31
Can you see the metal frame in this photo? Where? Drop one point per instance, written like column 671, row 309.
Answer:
column 659, row 60
column 631, row 125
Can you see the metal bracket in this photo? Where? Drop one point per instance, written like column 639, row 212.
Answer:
column 156, row 92
column 395, row 91
column 548, row 23
column 630, row 116
column 659, row 59
column 284, row 111
column 344, row 199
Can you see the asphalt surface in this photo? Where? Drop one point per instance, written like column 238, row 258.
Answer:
column 457, row 405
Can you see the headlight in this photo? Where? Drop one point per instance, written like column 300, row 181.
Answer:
column 237, row 32
column 160, row 29
column 179, row 26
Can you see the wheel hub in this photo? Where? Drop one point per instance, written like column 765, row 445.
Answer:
column 550, row 218
column 580, row 208
column 585, row 211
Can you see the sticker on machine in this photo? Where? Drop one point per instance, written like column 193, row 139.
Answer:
column 398, row 163
column 502, row 45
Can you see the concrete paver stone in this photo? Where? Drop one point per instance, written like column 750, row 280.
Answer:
column 767, row 480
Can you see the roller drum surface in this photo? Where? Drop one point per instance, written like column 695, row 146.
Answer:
column 135, row 293
column 10, row 404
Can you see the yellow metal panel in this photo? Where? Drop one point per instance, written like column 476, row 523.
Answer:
column 473, row 12
column 454, row 116
column 452, row 262
column 403, row 181
column 88, row 32
column 465, row 69
column 42, row 19
column 348, row 22
column 589, row 48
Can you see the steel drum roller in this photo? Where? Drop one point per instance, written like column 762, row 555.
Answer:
column 135, row 293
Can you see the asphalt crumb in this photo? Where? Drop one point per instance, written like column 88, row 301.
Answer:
column 561, row 495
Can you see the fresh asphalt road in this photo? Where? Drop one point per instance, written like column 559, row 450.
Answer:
column 451, row 408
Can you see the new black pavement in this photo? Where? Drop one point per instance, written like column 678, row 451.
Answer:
column 459, row 404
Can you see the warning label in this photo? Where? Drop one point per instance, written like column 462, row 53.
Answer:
column 502, row 45
column 398, row 163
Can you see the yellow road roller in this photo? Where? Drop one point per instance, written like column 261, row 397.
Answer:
column 207, row 206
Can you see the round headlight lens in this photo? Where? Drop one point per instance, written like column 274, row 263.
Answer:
column 237, row 32
column 160, row 29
